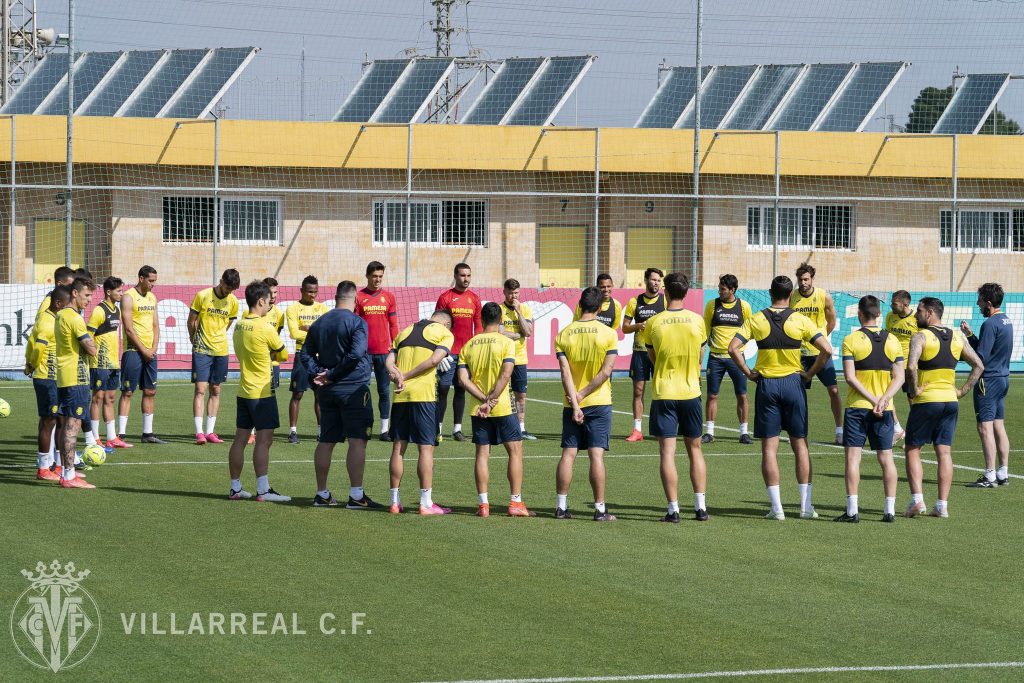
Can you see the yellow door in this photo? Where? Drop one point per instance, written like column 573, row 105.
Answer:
column 49, row 250
column 647, row 248
column 563, row 256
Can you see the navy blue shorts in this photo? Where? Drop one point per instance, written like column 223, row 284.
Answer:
column 717, row 368
column 491, row 431
column 47, row 401
column 275, row 377
column 415, row 422
column 932, row 423
column 256, row 413
column 640, row 367
column 780, row 403
column 137, row 373
column 989, row 396
column 344, row 416
column 861, row 425
column 446, row 379
column 518, row 381
column 677, row 418
column 827, row 374
column 104, row 380
column 301, row 380
column 74, row 402
column 595, row 432
column 212, row 369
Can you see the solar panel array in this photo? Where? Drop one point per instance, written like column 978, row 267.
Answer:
column 773, row 96
column 972, row 103
column 182, row 84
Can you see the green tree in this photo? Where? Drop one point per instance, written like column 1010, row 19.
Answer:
column 931, row 102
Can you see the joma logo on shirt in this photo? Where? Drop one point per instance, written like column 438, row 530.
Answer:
column 582, row 330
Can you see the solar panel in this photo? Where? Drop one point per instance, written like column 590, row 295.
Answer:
column 672, row 97
column 543, row 99
column 864, row 91
column 120, row 83
column 810, row 96
column 90, row 68
column 718, row 93
column 409, row 97
column 972, row 103
column 208, row 84
column 161, row 83
column 763, row 96
column 374, row 85
column 501, row 92
column 33, row 90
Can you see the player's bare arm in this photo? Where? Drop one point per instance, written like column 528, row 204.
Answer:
column 895, row 384
column 914, row 357
column 736, row 353
column 830, row 314
column 850, row 374
column 977, row 367
column 193, row 325
column 471, row 386
column 427, row 365
column 824, row 356
column 600, row 378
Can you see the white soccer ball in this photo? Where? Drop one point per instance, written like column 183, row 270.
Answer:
column 5, row 408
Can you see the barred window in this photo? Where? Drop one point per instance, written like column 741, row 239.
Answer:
column 250, row 221
column 446, row 222
column 811, row 227
column 986, row 230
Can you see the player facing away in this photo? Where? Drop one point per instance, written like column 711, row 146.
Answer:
column 412, row 366
column 256, row 342
column 209, row 319
column 723, row 318
column 275, row 316
column 675, row 344
column 994, row 345
column 638, row 311
column 586, row 351
column 41, row 366
column 300, row 315
column 141, row 329
column 816, row 304
column 873, row 368
column 74, row 345
column 464, row 306
column 902, row 324
column 379, row 308
column 517, row 322
column 486, row 367
column 104, row 371
column 934, row 401
column 780, row 402
column 336, row 359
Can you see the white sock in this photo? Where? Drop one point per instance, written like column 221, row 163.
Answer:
column 941, row 505
column 198, row 421
column 743, row 428
column 851, row 505
column 890, row 505
column 262, row 484
column 440, row 427
column 395, row 499
column 426, row 498
column 774, row 498
column 897, row 427
column 562, row 501
column 211, row 423
column 122, row 424
column 839, row 431
column 1003, row 472
column 638, row 425
column 318, row 432
column 95, row 429
column 698, row 502
column 43, row 461
column 236, row 484
column 457, row 427
column 68, row 473
column 483, row 499
column 291, row 430
column 355, row 492
column 673, row 506
column 805, row 498
column 522, row 426
column 709, row 427
column 90, row 438
column 917, row 498
column 600, row 507
column 111, row 430
column 990, row 475
column 385, row 424
column 325, row 494
column 147, row 423
column 516, row 498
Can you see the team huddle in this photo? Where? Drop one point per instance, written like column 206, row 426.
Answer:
column 467, row 347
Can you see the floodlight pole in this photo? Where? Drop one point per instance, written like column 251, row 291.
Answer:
column 13, row 200
column 696, row 146
column 70, row 131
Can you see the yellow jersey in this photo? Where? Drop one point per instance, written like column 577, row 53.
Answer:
column 510, row 321
column 873, row 353
column 903, row 329
column 586, row 345
column 813, row 307
column 41, row 349
column 484, row 356
column 936, row 369
column 677, row 338
column 44, row 305
column 779, row 334
column 105, row 327
column 412, row 346
column 721, row 323
column 298, row 314
column 609, row 314
column 276, row 318
column 256, row 342
column 215, row 317
column 640, row 309
column 143, row 315
column 72, row 361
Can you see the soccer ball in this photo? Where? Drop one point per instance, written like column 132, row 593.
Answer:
column 94, row 455
column 5, row 408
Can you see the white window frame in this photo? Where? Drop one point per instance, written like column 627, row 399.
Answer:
column 767, row 246
column 279, row 218
column 1008, row 249
column 442, row 228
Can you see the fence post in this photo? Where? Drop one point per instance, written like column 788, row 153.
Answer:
column 778, row 192
column 956, row 218
column 216, row 193
column 597, row 203
column 70, row 128
column 696, row 145
column 408, row 203
column 13, row 203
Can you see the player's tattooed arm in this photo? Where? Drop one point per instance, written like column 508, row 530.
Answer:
column 977, row 367
column 914, row 357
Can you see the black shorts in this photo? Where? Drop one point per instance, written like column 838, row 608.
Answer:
column 137, row 373
column 47, row 401
column 827, row 374
column 447, row 379
column 104, row 380
column 518, row 381
column 677, row 418
column 212, row 369
column 414, row 422
column 74, row 402
column 780, row 403
column 344, row 416
column 861, row 424
column 718, row 368
column 989, row 398
column 301, row 381
column 641, row 368
column 595, row 432
column 932, row 423
column 491, row 431
column 256, row 413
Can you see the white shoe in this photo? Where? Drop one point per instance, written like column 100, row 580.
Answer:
column 809, row 514
column 936, row 512
column 272, row 496
column 779, row 516
column 915, row 509
column 240, row 494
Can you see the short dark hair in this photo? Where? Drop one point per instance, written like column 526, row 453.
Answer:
column 231, row 278
column 676, row 286
column 901, row 295
column 61, row 295
column 991, row 292
column 256, row 290
column 729, row 281
column 781, row 288
column 310, row 280
column 441, row 311
column 591, row 299
column 83, row 272
column 372, row 267
column 270, row 282
column 80, row 283
column 62, row 273
column 869, row 306
column 651, row 271
column 805, row 267
column 511, row 283
column 346, row 289
column 602, row 277
column 112, row 284
column 932, row 304
column 490, row 313
column 146, row 271
column 460, row 266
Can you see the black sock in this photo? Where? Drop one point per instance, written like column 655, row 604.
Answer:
column 442, row 403
column 459, row 404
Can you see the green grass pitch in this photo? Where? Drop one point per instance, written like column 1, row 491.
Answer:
column 461, row 598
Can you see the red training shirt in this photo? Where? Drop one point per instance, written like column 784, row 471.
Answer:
column 380, row 311
column 465, row 309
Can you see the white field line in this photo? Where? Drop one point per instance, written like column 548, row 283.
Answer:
column 751, row 673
